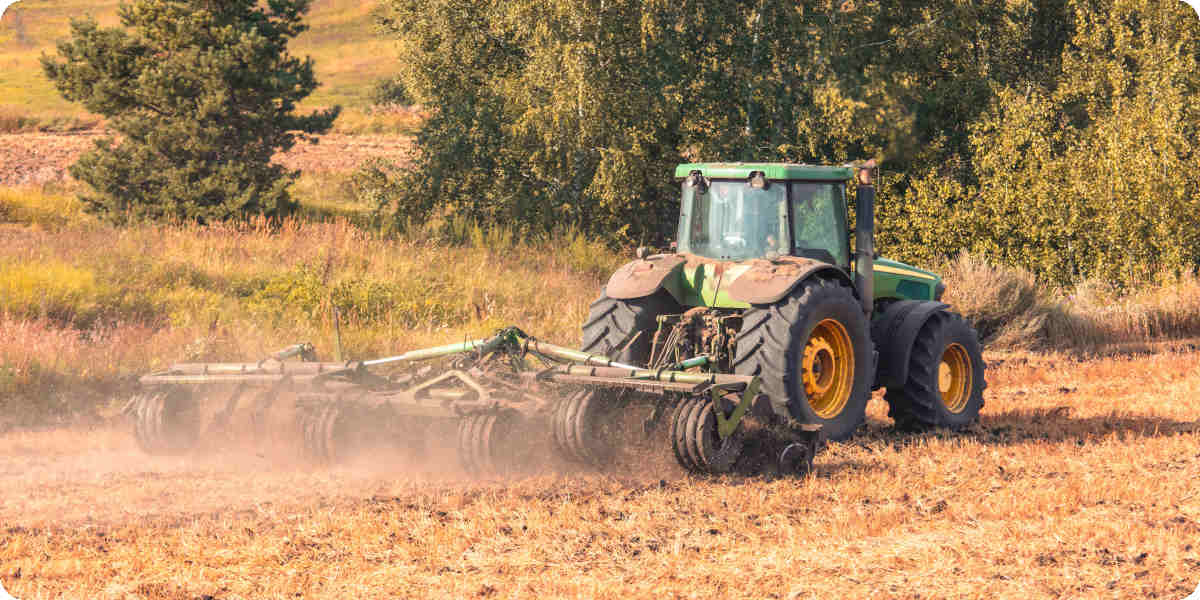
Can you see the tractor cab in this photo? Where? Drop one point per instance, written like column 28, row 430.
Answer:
column 736, row 212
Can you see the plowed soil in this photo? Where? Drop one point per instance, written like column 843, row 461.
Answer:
column 39, row 158
column 1081, row 481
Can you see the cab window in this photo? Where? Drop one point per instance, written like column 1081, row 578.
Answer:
column 819, row 221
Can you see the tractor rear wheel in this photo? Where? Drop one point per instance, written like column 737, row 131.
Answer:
column 813, row 351
column 945, row 377
column 624, row 329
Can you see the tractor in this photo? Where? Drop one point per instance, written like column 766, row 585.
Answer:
column 763, row 281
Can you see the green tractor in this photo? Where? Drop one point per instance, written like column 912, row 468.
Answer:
column 763, row 282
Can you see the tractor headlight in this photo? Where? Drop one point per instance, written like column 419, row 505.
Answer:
column 938, row 290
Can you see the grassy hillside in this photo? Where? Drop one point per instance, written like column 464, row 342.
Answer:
column 349, row 56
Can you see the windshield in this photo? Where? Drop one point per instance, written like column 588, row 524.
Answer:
column 733, row 220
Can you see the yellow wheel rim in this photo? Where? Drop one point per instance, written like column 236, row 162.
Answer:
column 827, row 368
column 954, row 378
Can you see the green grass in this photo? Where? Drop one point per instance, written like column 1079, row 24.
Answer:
column 349, row 58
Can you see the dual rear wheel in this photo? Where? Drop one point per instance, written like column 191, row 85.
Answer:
column 815, row 355
column 945, row 377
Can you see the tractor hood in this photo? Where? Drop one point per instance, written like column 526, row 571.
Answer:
column 698, row 281
column 898, row 281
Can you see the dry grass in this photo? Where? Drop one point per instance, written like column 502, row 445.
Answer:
column 1080, row 482
column 77, row 323
column 1011, row 310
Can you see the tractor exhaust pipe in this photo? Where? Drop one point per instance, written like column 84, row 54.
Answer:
column 864, row 237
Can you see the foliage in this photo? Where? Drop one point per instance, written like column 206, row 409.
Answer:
column 377, row 185
column 1084, row 171
column 1053, row 135
column 202, row 95
column 574, row 112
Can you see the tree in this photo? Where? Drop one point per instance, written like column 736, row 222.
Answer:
column 563, row 112
column 203, row 93
column 1083, row 168
column 1052, row 134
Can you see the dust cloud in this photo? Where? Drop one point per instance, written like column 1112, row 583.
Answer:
column 100, row 475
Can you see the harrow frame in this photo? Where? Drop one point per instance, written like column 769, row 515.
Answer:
column 492, row 387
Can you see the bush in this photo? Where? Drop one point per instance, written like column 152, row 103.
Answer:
column 992, row 298
column 1012, row 311
column 390, row 92
column 379, row 184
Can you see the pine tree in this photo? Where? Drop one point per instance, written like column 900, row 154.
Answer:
column 202, row 94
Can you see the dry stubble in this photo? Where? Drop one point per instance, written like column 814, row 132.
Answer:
column 1081, row 481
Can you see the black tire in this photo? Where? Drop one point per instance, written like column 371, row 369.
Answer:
column 772, row 344
column 612, row 323
column 920, row 404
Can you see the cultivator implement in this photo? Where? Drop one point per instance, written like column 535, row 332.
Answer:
column 494, row 394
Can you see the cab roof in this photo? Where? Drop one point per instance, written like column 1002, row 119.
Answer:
column 776, row 171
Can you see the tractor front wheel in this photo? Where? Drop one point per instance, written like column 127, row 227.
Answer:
column 814, row 354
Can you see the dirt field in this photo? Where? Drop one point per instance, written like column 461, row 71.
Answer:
column 39, row 158
column 1081, row 481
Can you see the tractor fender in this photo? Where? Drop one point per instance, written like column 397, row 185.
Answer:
column 768, row 281
column 894, row 333
column 644, row 276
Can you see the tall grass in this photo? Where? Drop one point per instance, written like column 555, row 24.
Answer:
column 85, row 307
column 83, row 304
column 1010, row 309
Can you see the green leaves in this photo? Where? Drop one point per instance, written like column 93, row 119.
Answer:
column 552, row 113
column 1057, row 136
column 1088, row 170
column 203, row 94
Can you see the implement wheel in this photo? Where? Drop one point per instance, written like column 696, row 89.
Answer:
column 624, row 329
column 326, row 427
column 487, row 442
column 945, row 377
column 581, row 423
column 165, row 420
column 694, row 438
column 813, row 351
